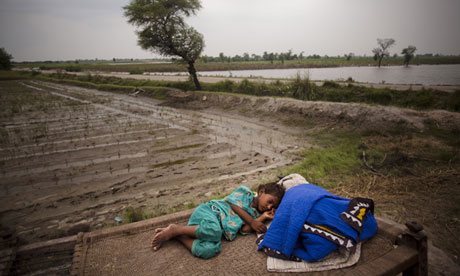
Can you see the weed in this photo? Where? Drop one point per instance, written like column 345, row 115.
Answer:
column 136, row 71
column 246, row 87
column 132, row 214
column 331, row 84
column 303, row 88
column 73, row 68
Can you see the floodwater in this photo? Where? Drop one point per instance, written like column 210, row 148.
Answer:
column 414, row 74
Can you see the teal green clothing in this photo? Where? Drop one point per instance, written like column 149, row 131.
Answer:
column 208, row 233
column 231, row 222
column 216, row 218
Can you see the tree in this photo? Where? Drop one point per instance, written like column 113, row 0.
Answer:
column 408, row 54
column 349, row 56
column 5, row 59
column 271, row 57
column 382, row 51
column 163, row 29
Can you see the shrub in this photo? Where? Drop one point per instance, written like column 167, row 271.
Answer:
column 5, row 59
column 73, row 68
column 134, row 214
column 246, row 86
column 331, row 84
column 224, row 86
column 303, row 88
column 379, row 96
column 136, row 71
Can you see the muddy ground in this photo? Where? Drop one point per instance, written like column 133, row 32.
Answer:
column 84, row 160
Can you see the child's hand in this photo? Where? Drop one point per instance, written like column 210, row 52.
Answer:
column 269, row 214
column 258, row 226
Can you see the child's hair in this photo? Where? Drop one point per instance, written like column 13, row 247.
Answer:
column 273, row 188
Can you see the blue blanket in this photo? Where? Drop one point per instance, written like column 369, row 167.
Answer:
column 309, row 224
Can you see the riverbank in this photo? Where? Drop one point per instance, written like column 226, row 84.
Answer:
column 216, row 79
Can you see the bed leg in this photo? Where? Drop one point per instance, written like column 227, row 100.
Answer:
column 415, row 238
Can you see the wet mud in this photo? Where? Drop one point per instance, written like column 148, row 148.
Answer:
column 86, row 162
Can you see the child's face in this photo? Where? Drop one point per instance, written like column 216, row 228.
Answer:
column 267, row 202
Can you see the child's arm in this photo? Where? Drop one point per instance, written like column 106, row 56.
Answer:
column 253, row 224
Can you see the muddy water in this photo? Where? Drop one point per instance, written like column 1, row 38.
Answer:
column 414, row 74
column 86, row 162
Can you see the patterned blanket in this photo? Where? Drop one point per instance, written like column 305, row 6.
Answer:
column 310, row 223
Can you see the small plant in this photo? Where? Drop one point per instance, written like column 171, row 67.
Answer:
column 303, row 88
column 136, row 71
column 331, row 84
column 73, row 68
column 132, row 214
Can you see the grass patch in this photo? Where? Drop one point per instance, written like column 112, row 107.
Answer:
column 136, row 71
column 132, row 214
column 16, row 75
column 339, row 157
column 73, row 68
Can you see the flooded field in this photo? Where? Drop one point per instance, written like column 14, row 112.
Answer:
column 73, row 158
column 445, row 74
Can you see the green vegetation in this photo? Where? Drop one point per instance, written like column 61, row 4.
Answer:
column 136, row 214
column 342, row 156
column 408, row 54
column 303, row 88
column 163, row 30
column 5, row 59
column 136, row 71
column 73, row 68
column 16, row 75
column 339, row 157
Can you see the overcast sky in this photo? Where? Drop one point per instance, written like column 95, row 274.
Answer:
column 35, row 30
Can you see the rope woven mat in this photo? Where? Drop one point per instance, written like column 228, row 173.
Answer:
column 129, row 253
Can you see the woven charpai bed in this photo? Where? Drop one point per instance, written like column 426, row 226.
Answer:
column 126, row 250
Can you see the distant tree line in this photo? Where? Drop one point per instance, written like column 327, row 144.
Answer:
column 267, row 56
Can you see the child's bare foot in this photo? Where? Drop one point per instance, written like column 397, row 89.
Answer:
column 162, row 235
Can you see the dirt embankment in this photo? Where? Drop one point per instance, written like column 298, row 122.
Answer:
column 346, row 114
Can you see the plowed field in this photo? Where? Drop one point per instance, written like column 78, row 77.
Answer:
column 73, row 158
